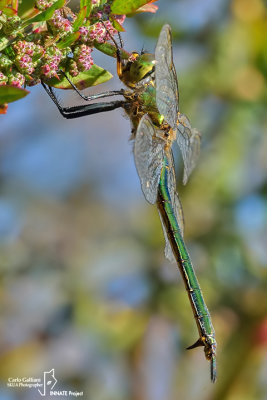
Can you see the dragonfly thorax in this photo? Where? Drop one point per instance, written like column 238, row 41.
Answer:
column 142, row 101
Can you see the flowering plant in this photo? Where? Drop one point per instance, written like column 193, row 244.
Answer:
column 40, row 38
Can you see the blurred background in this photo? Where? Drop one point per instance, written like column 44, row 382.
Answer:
column 85, row 288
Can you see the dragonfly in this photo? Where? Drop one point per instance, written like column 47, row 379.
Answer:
column 151, row 101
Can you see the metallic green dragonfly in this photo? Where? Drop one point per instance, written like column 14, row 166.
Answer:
column 156, row 131
column 152, row 103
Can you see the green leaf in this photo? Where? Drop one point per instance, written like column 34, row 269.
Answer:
column 9, row 51
column 127, row 6
column 80, row 18
column 4, row 4
column 15, row 5
column 68, row 40
column 149, row 7
column 11, row 93
column 9, row 7
column 92, row 77
column 25, row 6
column 88, row 5
column 10, row 12
column 47, row 14
column 111, row 50
column 116, row 24
column 3, row 42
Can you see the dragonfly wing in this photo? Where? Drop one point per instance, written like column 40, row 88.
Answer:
column 175, row 200
column 177, row 210
column 188, row 140
column 167, row 95
column 168, row 250
column 148, row 155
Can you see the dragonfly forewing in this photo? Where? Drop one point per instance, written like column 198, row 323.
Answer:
column 168, row 252
column 176, row 206
column 148, row 156
column 175, row 201
column 188, row 140
column 167, row 95
column 178, row 212
column 149, row 150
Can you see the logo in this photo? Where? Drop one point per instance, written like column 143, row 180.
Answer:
column 46, row 385
column 49, row 381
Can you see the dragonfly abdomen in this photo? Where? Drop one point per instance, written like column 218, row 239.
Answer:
column 200, row 310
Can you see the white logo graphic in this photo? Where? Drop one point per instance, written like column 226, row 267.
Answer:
column 45, row 388
column 49, row 381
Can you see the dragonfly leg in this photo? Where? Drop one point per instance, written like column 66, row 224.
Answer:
column 82, row 110
column 93, row 96
column 120, row 39
column 118, row 51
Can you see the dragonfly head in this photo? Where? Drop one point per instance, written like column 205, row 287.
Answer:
column 136, row 68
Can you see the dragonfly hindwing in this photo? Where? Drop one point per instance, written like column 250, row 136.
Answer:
column 176, row 207
column 168, row 249
column 175, row 200
column 148, row 155
column 188, row 140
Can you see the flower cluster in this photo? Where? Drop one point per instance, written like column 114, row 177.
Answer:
column 16, row 79
column 61, row 42
column 43, row 4
column 24, row 47
column 59, row 24
column 101, row 32
column 83, row 58
column 52, row 58
column 27, row 56
column 97, row 32
column 3, row 79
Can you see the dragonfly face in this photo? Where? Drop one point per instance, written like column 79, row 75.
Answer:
column 136, row 69
column 153, row 83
